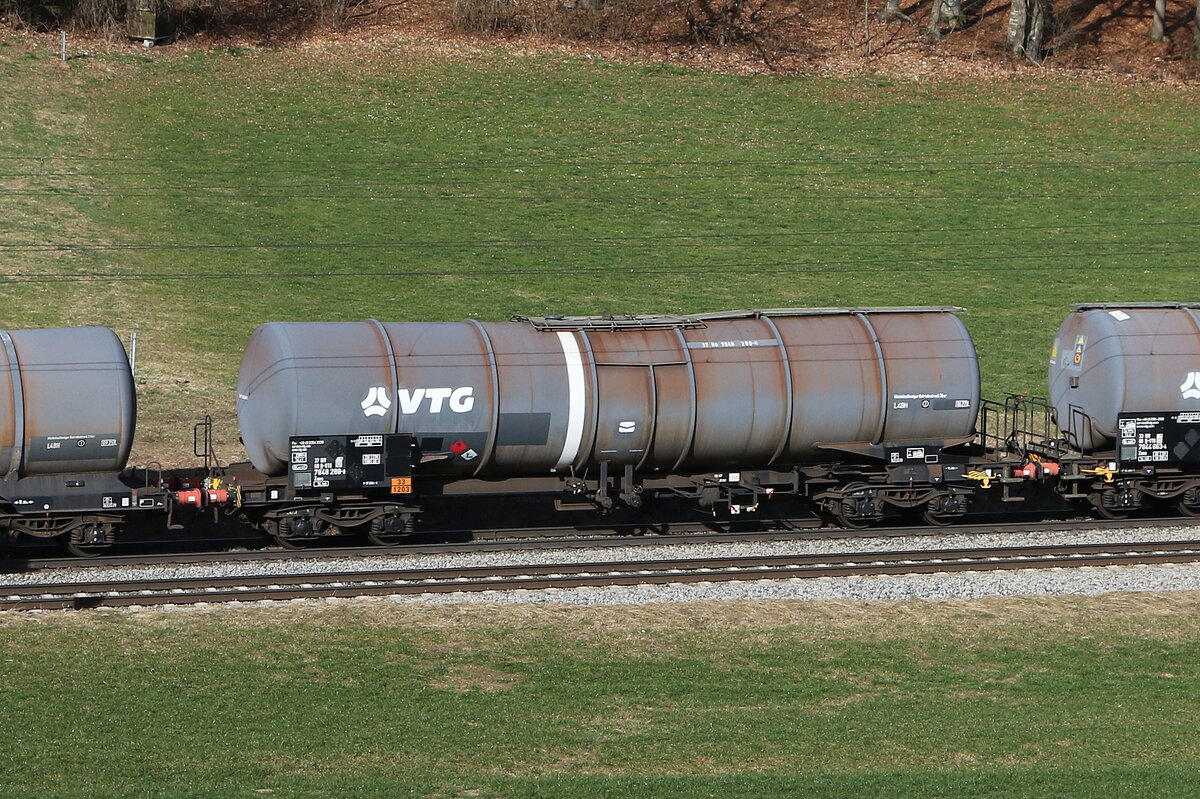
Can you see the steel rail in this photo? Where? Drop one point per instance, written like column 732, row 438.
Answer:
column 554, row 539
column 575, row 575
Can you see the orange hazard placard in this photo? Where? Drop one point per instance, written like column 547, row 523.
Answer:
column 401, row 485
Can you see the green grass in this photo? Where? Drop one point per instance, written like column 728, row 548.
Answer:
column 1080, row 697
column 403, row 183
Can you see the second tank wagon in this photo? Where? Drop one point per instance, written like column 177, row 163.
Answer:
column 660, row 394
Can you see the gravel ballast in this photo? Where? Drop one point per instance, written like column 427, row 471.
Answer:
column 962, row 585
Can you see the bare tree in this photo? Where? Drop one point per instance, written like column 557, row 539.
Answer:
column 891, row 11
column 1158, row 22
column 1014, row 35
column 1026, row 27
column 725, row 22
column 948, row 13
column 952, row 13
column 1196, row 32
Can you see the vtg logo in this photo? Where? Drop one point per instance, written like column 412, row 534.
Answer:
column 376, row 402
column 1191, row 386
column 458, row 400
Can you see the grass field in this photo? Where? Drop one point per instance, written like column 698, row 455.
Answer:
column 194, row 195
column 999, row 698
column 191, row 196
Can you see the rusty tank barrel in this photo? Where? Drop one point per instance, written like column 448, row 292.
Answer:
column 67, row 402
column 670, row 394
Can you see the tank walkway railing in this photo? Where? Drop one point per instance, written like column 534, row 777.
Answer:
column 1023, row 426
column 644, row 322
column 608, row 322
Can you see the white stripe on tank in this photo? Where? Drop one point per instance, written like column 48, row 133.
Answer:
column 575, row 408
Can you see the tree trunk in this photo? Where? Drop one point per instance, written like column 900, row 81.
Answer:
column 1026, row 28
column 1158, row 23
column 952, row 14
column 935, row 17
column 1015, row 35
column 948, row 13
column 1035, row 30
column 891, row 11
column 1196, row 32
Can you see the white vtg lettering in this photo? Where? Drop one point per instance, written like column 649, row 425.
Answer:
column 458, row 400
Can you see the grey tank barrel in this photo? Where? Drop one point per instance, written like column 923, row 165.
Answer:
column 67, row 402
column 1110, row 359
column 669, row 394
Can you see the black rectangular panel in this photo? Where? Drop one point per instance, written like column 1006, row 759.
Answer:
column 399, row 460
column 349, row 462
column 523, row 430
column 85, row 447
column 1158, row 439
column 336, row 462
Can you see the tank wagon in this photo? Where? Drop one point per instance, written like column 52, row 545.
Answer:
column 855, row 414
column 364, row 424
column 67, row 417
column 1125, row 392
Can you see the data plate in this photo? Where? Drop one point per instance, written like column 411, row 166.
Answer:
column 350, row 462
column 1158, row 439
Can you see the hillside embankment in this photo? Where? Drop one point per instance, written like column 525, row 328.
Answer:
column 951, row 38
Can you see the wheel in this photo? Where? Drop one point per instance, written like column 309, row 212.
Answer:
column 845, row 514
column 385, row 539
column 942, row 511
column 851, row 524
column 91, row 541
column 291, row 543
column 1189, row 503
column 87, row 550
column 1188, row 510
column 934, row 519
column 1105, row 512
column 387, row 531
column 282, row 530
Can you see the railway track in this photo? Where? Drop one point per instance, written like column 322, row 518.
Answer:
column 623, row 573
column 562, row 538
